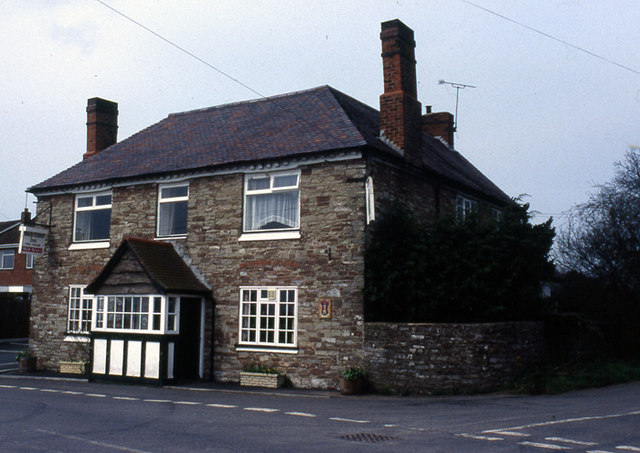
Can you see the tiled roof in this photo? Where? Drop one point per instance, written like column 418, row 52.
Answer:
column 295, row 124
column 163, row 265
column 9, row 233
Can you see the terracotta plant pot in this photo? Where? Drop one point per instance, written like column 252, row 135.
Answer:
column 351, row 387
column 27, row 364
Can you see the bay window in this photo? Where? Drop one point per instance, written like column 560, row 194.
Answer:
column 142, row 314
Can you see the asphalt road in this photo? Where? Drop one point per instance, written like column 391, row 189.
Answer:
column 75, row 416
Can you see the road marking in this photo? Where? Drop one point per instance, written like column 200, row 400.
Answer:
column 28, row 388
column 300, row 414
column 187, row 403
column 92, row 442
column 126, row 398
column 50, row 390
column 545, row 446
column 598, row 451
column 156, row 401
column 260, row 409
column 222, row 406
column 8, row 386
column 568, row 420
column 627, row 448
column 570, row 441
column 339, row 419
column 96, row 395
column 70, row 392
column 507, row 433
column 474, row 436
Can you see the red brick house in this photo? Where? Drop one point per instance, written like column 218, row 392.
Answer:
column 16, row 271
column 234, row 235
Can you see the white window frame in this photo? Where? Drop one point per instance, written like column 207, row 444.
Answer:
column 370, row 200
column 94, row 207
column 80, row 310
column 465, row 207
column 155, row 316
column 28, row 261
column 257, row 333
column 168, row 200
column 275, row 233
column 7, row 253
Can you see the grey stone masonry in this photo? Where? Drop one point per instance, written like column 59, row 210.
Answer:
column 433, row 358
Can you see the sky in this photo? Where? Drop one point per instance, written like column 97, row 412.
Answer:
column 556, row 99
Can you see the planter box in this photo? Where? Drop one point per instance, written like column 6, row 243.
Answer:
column 268, row 380
column 351, row 387
column 27, row 364
column 72, row 367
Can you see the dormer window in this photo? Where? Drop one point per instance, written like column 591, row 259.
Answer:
column 272, row 202
column 92, row 217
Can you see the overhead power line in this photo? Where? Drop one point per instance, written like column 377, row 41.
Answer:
column 547, row 35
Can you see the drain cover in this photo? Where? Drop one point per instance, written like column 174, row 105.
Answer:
column 367, row 437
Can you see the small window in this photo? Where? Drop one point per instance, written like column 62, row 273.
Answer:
column 173, row 203
column 465, row 207
column 80, row 308
column 268, row 316
column 496, row 214
column 172, row 314
column 7, row 258
column 131, row 313
column 92, row 217
column 370, row 200
column 272, row 202
column 29, row 261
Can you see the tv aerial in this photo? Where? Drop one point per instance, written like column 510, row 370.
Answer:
column 458, row 87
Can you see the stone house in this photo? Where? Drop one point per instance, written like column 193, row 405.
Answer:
column 234, row 235
column 16, row 271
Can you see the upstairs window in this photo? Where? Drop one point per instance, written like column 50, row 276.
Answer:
column 80, row 306
column 172, row 210
column 7, row 258
column 92, row 217
column 272, row 202
column 28, row 261
column 465, row 207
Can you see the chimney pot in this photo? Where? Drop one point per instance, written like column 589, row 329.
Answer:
column 102, row 125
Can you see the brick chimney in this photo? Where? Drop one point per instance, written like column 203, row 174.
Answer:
column 439, row 124
column 400, row 120
column 102, row 125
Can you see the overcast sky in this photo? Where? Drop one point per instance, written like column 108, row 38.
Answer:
column 545, row 118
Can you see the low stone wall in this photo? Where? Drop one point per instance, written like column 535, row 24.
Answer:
column 434, row 358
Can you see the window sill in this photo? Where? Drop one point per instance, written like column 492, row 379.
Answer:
column 269, row 236
column 89, row 245
column 77, row 338
column 170, row 238
column 275, row 349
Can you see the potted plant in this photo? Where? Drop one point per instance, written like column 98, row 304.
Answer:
column 26, row 361
column 352, row 380
column 261, row 376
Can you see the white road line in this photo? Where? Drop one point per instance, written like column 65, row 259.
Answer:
column 389, row 425
column 222, row 406
column 598, row 451
column 70, row 392
column 570, row 441
column 627, row 448
column 261, row 409
column 545, row 446
column 8, row 386
column 156, row 401
column 92, row 442
column 126, row 398
column 566, row 420
column 96, row 395
column 474, row 436
column 50, row 390
column 339, row 419
column 27, row 388
column 508, row 433
column 187, row 403
column 300, row 414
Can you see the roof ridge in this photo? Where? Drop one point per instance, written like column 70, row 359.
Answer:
column 250, row 101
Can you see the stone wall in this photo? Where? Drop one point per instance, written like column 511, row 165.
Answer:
column 434, row 358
